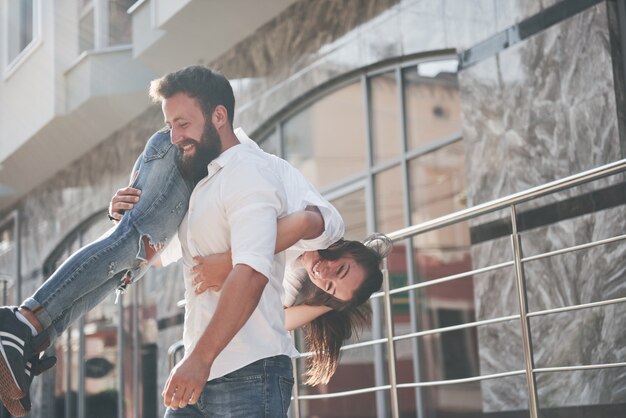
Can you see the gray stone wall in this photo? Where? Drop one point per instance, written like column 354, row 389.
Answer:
column 542, row 110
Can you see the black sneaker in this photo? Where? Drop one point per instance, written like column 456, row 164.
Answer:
column 20, row 407
column 17, row 345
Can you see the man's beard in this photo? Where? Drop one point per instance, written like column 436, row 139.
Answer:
column 194, row 168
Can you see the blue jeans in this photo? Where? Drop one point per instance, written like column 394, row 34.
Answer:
column 259, row 390
column 119, row 257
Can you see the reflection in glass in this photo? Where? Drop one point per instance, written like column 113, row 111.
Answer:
column 21, row 29
column 101, row 346
column 120, row 22
column 345, row 407
column 8, row 263
column 352, row 209
column 432, row 105
column 355, row 371
column 86, row 33
column 326, row 141
column 437, row 187
column 389, row 192
column 385, row 117
column 270, row 142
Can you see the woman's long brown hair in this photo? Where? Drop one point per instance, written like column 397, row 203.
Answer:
column 325, row 335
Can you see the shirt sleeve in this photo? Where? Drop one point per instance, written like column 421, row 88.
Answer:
column 292, row 283
column 253, row 199
column 334, row 227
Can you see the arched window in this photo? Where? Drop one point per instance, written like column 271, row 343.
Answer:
column 385, row 147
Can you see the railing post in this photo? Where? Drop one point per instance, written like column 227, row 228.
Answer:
column 529, row 363
column 391, row 351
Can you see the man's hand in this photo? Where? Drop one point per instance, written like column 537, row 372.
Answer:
column 186, row 382
column 211, row 271
column 123, row 200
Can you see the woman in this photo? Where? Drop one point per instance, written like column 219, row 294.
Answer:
column 325, row 290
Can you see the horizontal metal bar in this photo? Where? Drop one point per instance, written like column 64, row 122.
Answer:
column 574, row 248
column 445, row 279
column 346, row 393
column 576, row 368
column 514, row 199
column 459, row 381
column 412, row 385
column 423, row 333
column 352, row 346
column 456, row 327
column 576, row 307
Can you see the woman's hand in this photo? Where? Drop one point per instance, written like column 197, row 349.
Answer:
column 211, row 271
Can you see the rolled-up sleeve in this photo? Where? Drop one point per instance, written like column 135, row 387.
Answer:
column 253, row 200
column 334, row 228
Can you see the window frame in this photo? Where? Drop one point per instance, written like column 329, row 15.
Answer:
column 11, row 65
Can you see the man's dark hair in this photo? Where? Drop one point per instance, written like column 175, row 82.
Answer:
column 208, row 87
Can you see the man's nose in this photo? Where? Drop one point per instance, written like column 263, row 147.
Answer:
column 175, row 136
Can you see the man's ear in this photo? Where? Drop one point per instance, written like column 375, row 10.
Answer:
column 219, row 117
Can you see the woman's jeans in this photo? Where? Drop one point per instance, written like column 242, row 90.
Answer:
column 119, row 257
column 259, row 390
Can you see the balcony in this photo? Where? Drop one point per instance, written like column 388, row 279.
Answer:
column 102, row 91
column 168, row 34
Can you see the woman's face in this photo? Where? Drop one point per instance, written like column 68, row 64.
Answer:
column 341, row 277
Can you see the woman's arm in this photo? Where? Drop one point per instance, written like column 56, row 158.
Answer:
column 299, row 315
column 304, row 224
column 211, row 271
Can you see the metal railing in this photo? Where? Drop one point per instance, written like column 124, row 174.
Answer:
column 511, row 202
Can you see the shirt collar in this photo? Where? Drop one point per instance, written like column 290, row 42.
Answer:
column 244, row 139
column 226, row 156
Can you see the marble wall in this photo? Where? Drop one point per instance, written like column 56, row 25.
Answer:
column 541, row 110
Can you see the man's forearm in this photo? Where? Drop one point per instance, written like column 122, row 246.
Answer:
column 240, row 295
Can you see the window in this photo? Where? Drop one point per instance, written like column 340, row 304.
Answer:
column 103, row 24
column 86, row 41
column 8, row 262
column 21, row 28
column 326, row 141
column 386, row 147
column 385, row 117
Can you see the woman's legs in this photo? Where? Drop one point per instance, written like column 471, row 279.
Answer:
column 102, row 264
column 88, row 276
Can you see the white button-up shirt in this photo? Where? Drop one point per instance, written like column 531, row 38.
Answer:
column 300, row 194
column 235, row 207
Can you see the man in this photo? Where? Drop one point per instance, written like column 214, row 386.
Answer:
column 234, row 339
column 235, row 204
